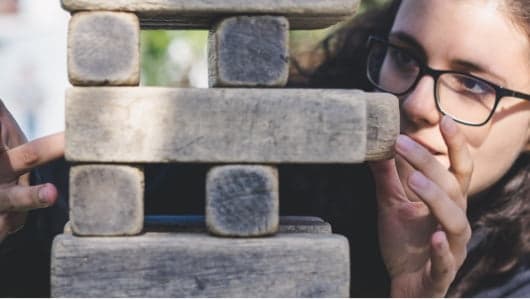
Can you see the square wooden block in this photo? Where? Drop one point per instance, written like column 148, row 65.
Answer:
column 242, row 200
column 249, row 51
column 106, row 200
column 104, row 49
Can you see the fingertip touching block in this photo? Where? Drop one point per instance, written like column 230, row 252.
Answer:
column 104, row 49
column 242, row 200
column 248, row 51
column 106, row 200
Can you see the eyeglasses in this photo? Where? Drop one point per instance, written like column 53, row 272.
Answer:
column 467, row 99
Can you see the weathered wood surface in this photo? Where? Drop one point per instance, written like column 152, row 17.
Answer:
column 249, row 52
column 201, row 14
column 104, row 49
column 242, row 200
column 198, row 265
column 148, row 124
column 219, row 125
column 382, row 128
column 106, row 200
column 197, row 224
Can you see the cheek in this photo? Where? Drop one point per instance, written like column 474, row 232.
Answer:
column 495, row 147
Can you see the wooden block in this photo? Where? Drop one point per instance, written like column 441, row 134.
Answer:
column 200, row 14
column 198, row 265
column 106, row 200
column 304, row 224
column 104, row 49
column 249, row 52
column 242, row 200
column 232, row 125
column 382, row 128
column 197, row 224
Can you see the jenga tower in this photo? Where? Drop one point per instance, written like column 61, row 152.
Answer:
column 246, row 122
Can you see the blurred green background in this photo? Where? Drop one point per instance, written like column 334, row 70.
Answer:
column 178, row 57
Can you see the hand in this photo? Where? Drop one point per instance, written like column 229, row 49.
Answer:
column 17, row 158
column 423, row 228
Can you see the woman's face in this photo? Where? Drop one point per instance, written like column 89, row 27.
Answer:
column 476, row 37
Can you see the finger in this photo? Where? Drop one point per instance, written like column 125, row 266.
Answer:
column 23, row 158
column 443, row 268
column 459, row 156
column 3, row 146
column 24, row 179
column 405, row 169
column 450, row 216
column 25, row 198
column 388, row 185
column 12, row 133
column 424, row 161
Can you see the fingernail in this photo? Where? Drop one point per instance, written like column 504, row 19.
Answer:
column 418, row 180
column 449, row 125
column 404, row 144
column 43, row 195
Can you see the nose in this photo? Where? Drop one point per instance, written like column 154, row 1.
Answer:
column 418, row 107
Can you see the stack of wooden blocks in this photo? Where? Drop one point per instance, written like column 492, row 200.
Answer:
column 246, row 123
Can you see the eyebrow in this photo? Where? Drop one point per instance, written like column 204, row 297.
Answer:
column 477, row 68
column 409, row 40
column 456, row 64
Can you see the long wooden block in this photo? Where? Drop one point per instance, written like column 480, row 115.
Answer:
column 200, row 14
column 249, row 52
column 198, row 265
column 129, row 125
column 106, row 200
column 104, row 49
column 242, row 200
column 197, row 224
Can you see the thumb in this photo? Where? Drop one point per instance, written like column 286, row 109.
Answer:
column 387, row 183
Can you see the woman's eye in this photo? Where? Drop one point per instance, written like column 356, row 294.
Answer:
column 401, row 59
column 473, row 85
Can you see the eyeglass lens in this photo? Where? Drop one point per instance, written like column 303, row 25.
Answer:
column 464, row 98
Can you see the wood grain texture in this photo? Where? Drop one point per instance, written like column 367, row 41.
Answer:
column 106, row 200
column 143, row 125
column 197, row 224
column 197, row 265
column 242, row 200
column 249, row 52
column 382, row 127
column 104, row 49
column 201, row 14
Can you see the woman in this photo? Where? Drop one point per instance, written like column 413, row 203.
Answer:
column 461, row 70
column 472, row 156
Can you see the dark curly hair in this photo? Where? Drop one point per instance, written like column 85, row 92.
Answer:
column 500, row 216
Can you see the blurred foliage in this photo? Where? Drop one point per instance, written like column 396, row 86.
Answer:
column 168, row 57
column 157, row 66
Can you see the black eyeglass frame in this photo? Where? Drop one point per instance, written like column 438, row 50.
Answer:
column 500, row 92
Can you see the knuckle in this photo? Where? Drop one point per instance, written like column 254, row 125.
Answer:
column 9, row 200
column 29, row 155
column 460, row 228
column 467, row 166
column 467, row 232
